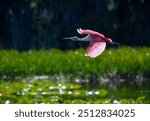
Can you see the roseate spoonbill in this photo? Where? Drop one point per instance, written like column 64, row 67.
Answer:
column 97, row 42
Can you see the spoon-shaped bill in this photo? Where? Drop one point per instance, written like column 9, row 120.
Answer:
column 67, row 38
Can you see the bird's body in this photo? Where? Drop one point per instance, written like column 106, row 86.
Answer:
column 97, row 42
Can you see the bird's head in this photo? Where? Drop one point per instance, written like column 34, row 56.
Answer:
column 74, row 38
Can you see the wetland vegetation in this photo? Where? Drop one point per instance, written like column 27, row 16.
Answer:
column 119, row 75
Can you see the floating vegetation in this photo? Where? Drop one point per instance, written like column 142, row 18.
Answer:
column 117, row 76
column 51, row 91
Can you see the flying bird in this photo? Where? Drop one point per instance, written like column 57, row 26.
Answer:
column 97, row 41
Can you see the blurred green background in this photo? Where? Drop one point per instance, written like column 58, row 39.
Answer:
column 37, row 66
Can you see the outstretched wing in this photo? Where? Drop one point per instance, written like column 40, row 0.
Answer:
column 90, row 32
column 95, row 48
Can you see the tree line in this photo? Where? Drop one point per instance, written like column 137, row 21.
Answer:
column 41, row 24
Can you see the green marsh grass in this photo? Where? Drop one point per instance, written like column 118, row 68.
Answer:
column 118, row 75
column 125, row 61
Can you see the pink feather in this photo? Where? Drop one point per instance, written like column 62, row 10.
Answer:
column 95, row 49
column 90, row 32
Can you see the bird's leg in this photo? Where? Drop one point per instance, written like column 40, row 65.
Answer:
column 115, row 43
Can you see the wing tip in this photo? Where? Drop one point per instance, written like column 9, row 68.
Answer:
column 89, row 56
column 79, row 30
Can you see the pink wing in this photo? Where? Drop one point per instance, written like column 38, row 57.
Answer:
column 90, row 32
column 95, row 49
